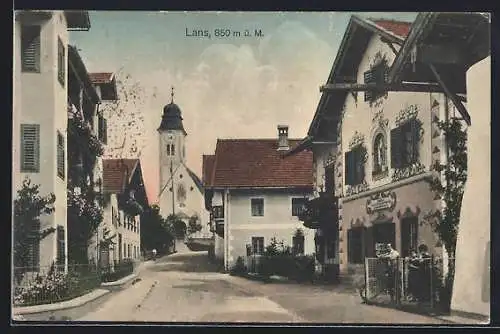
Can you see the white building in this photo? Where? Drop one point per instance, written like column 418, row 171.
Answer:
column 181, row 191
column 124, row 201
column 256, row 194
column 40, row 116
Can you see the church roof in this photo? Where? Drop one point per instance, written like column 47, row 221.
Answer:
column 255, row 163
column 196, row 179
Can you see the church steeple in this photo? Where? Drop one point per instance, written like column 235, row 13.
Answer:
column 172, row 116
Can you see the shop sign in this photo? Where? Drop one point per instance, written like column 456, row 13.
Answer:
column 381, row 201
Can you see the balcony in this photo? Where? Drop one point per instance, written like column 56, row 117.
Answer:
column 218, row 213
column 320, row 211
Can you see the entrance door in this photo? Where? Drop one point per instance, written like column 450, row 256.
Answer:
column 384, row 233
column 409, row 235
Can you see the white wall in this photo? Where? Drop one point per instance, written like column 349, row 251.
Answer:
column 471, row 291
column 359, row 116
column 277, row 221
column 41, row 99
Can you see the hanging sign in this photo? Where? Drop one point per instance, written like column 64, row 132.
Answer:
column 381, row 201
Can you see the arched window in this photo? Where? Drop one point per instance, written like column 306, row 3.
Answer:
column 379, row 154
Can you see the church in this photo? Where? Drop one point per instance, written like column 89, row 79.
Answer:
column 180, row 189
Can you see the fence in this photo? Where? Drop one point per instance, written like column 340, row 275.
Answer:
column 51, row 284
column 407, row 282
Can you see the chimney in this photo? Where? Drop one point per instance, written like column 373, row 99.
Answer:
column 283, row 138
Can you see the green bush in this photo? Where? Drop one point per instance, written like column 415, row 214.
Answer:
column 239, row 268
column 121, row 270
column 56, row 286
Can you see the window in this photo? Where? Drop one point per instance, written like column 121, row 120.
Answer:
column 257, row 207
column 30, row 148
column 102, row 129
column 61, row 246
column 258, row 245
column 33, row 251
column 30, row 48
column 405, row 144
column 61, row 167
column 298, row 206
column 172, row 149
column 376, row 75
column 355, row 244
column 61, row 62
column 168, row 149
column 379, row 154
column 298, row 244
column 354, row 166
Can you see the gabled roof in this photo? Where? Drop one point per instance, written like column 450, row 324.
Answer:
column 207, row 169
column 117, row 174
column 196, row 179
column 350, row 52
column 256, row 163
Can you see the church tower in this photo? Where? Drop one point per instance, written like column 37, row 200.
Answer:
column 172, row 140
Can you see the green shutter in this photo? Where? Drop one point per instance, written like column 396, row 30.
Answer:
column 396, row 148
column 60, row 156
column 369, row 77
column 30, row 48
column 30, row 148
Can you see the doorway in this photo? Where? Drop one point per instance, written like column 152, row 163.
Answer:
column 384, row 233
column 409, row 235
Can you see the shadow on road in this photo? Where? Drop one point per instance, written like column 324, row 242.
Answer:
column 194, row 262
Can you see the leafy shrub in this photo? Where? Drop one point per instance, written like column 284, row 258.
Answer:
column 121, row 270
column 239, row 267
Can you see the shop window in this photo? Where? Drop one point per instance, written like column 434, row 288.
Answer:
column 405, row 144
column 355, row 166
column 355, row 245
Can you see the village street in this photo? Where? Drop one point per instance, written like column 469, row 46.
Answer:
column 185, row 287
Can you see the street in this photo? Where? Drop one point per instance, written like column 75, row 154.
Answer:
column 185, row 287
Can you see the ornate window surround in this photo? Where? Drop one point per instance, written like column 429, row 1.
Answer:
column 380, row 126
column 358, row 139
column 407, row 114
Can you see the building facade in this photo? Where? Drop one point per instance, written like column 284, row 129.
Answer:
column 256, row 194
column 181, row 190
column 124, row 202
column 40, row 117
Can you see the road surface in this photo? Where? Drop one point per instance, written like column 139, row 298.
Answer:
column 185, row 287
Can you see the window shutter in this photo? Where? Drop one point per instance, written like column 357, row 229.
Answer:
column 359, row 165
column 396, row 146
column 348, row 168
column 30, row 48
column 415, row 133
column 105, row 131
column 60, row 156
column 61, row 62
column 368, row 79
column 30, row 148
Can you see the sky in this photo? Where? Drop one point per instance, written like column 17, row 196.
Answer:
column 232, row 86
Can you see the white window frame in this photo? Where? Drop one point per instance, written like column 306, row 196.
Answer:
column 263, row 206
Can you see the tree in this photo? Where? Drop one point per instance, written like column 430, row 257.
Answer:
column 155, row 230
column 194, row 224
column 28, row 207
column 179, row 227
column 125, row 118
column 445, row 222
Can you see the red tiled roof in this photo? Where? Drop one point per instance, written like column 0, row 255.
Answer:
column 257, row 163
column 207, row 168
column 115, row 172
column 101, row 77
column 398, row 28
